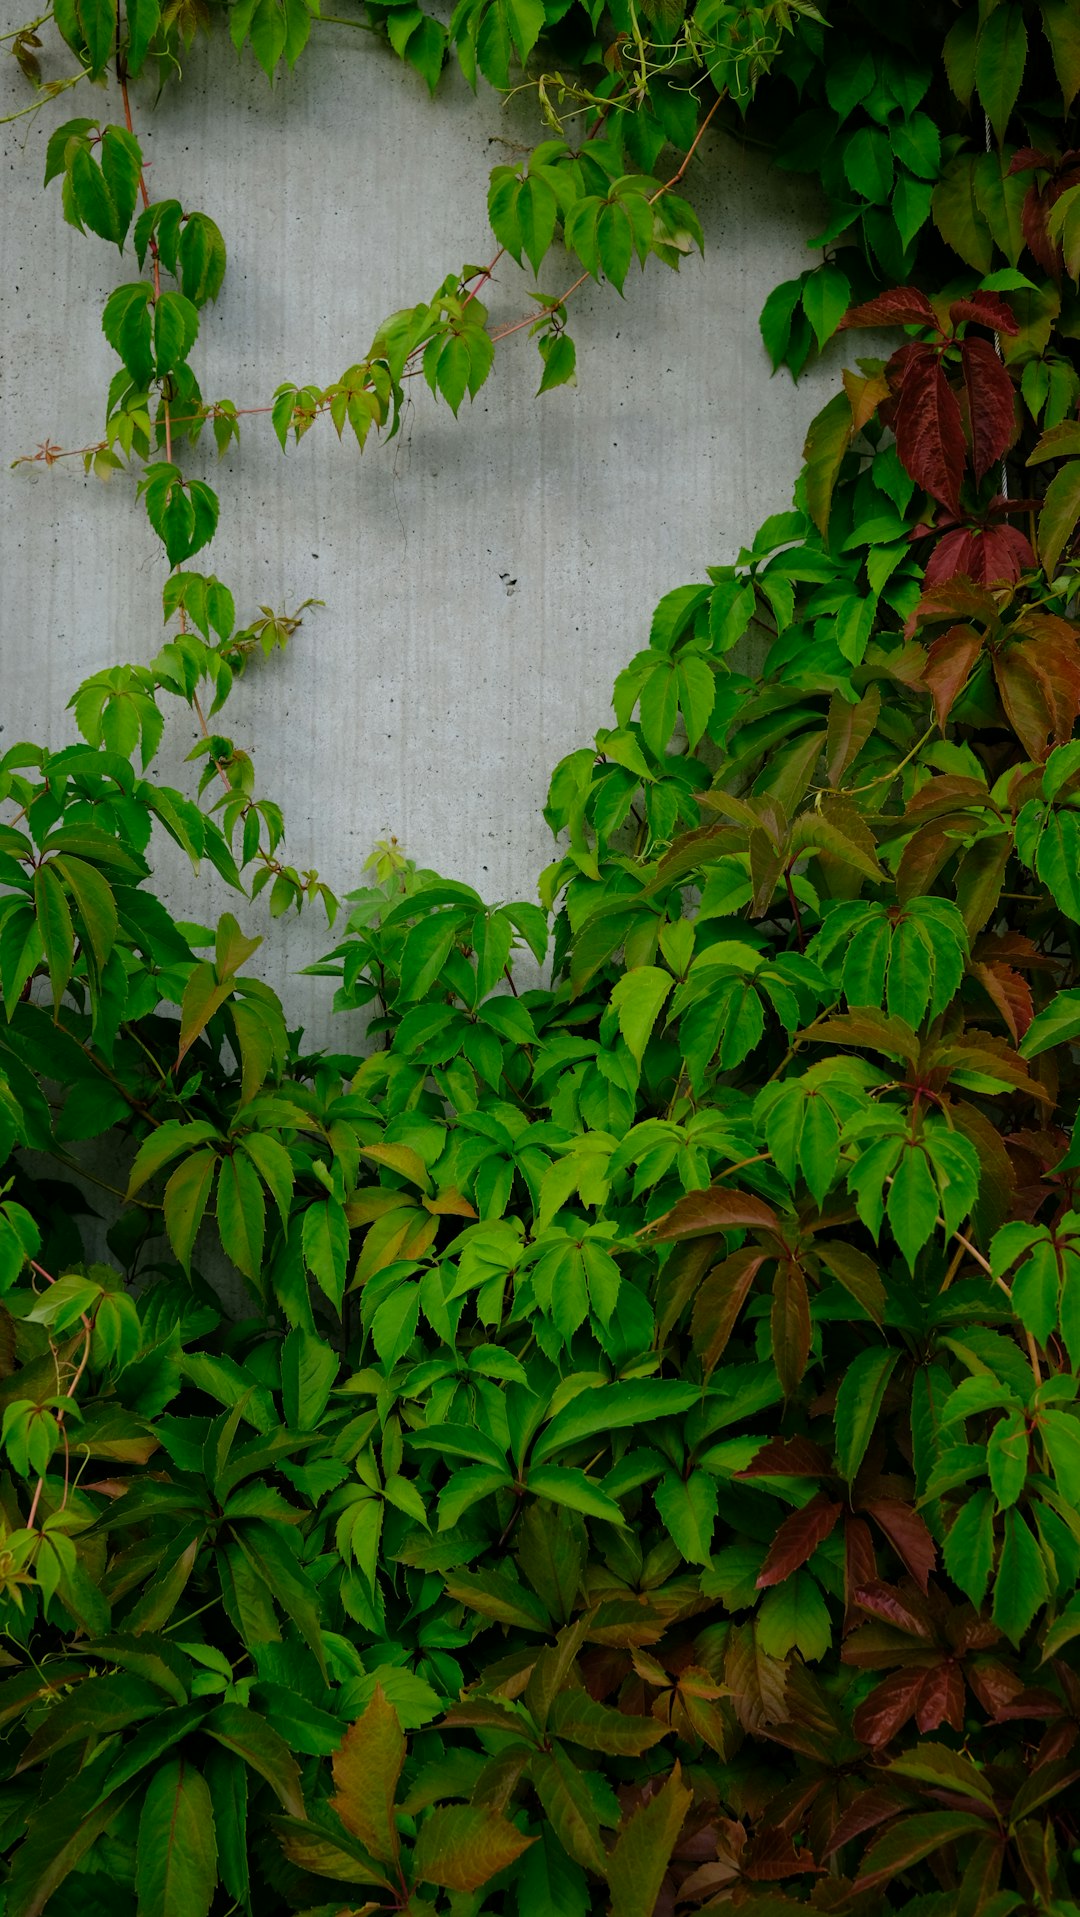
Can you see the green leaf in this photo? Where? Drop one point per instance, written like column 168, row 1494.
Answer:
column 572, row 1488
column 912, row 1204
column 969, row 1546
column 462, row 1846
column 1000, row 57
column 569, row 1809
column 94, row 903
column 687, row 1508
column 176, row 326
column 826, row 443
column 250, row 1737
column 59, row 1837
column 582, row 1719
column 868, row 164
column 638, row 1864
column 186, row 1197
column 858, row 1402
column 794, row 1617
column 1007, row 1458
column 1058, row 515
column 176, row 1859
column 54, row 924
column 612, row 1407
column 143, row 19
column 559, row 354
column 309, row 1367
column 1021, row 1587
column 638, row 998
column 241, row 1214
column 227, row 1782
column 911, row 1839
column 1062, row 29
column 826, row 298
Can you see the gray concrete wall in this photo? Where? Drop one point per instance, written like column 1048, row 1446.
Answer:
column 484, row 580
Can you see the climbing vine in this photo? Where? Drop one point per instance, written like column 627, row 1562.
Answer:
column 646, row 1475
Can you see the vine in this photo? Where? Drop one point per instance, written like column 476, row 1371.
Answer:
column 647, row 1473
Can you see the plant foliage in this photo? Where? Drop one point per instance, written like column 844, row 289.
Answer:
column 645, row 1472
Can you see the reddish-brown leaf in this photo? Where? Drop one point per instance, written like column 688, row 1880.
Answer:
column 757, row 1683
column 719, row 1303
column 1028, row 698
column 870, row 1808
column 949, row 663
column 1010, row 993
column 907, row 1534
column 860, row 1566
column 1058, row 655
column 929, row 430
column 872, row 1031
column 888, row 1707
column 941, row 1699
column 986, row 554
column 924, row 856
column 901, row 306
column 789, row 1458
column 945, row 794
column 987, row 309
column 798, row 1538
column 790, row 1325
column 991, row 403
column 718, row 1209
column 955, row 599
column 771, row 1855
column 892, row 1607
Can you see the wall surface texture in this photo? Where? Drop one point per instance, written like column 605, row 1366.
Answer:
column 483, row 580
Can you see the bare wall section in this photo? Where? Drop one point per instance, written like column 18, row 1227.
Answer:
column 483, row 580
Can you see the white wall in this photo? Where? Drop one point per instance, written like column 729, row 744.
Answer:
column 431, row 697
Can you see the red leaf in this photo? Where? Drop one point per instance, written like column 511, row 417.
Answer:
column 929, row 430
column 991, row 403
column 985, row 554
column 1003, row 554
column 860, row 1566
column 718, row 1209
column 887, row 1708
column 954, row 557
column 988, row 309
column 789, row 1458
column 948, row 665
column 908, row 1536
column 902, row 306
column 941, row 1699
column 885, row 1602
column 1026, row 158
column 798, row 1538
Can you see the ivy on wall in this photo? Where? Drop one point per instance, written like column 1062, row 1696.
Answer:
column 647, row 1475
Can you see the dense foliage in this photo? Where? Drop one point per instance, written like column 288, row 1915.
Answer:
column 648, row 1471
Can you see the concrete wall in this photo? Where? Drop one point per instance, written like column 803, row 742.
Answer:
column 484, row 580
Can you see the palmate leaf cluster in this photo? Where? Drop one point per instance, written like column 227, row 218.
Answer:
column 644, row 1471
